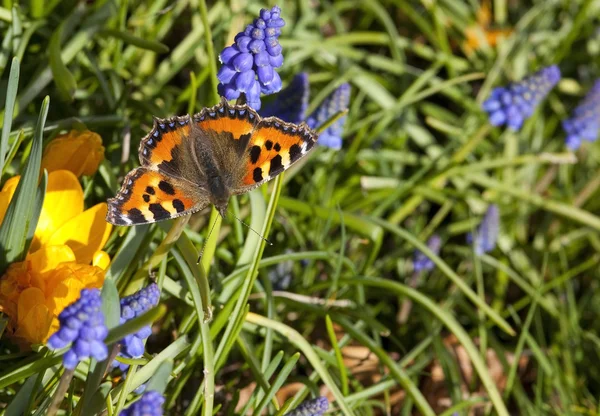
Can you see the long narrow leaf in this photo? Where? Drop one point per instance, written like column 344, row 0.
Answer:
column 15, row 227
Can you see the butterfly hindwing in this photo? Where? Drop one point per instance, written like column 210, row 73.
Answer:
column 274, row 146
column 148, row 196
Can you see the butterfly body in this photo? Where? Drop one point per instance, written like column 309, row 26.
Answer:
column 190, row 162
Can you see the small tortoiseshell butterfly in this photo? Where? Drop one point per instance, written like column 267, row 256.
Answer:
column 190, row 162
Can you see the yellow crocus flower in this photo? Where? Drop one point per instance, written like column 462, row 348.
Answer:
column 64, row 257
column 80, row 152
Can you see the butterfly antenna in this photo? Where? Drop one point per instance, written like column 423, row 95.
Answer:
column 251, row 229
column 206, row 241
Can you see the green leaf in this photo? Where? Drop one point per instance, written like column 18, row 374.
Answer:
column 161, row 378
column 37, row 208
column 127, row 37
column 9, row 106
column 19, row 215
column 64, row 79
column 279, row 380
column 134, row 325
column 111, row 306
column 20, row 402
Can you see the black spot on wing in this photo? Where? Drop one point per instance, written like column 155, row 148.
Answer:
column 166, row 187
column 150, row 190
column 257, row 175
column 178, row 205
column 295, row 152
column 146, row 197
column 254, row 154
column 159, row 212
column 277, row 147
column 136, row 216
column 268, row 144
column 276, row 166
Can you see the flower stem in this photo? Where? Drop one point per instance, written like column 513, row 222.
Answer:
column 63, row 385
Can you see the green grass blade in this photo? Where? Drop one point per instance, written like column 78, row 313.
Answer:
column 15, row 227
column 9, row 106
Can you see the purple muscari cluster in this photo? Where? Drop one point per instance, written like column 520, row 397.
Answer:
column 291, row 103
column 513, row 104
column 487, row 232
column 313, row 407
column 249, row 64
column 335, row 102
column 584, row 124
column 149, row 405
column 423, row 263
column 82, row 326
column 132, row 346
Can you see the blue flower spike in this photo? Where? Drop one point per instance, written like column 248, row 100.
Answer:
column 515, row 103
column 313, row 407
column 81, row 326
column 249, row 64
column 132, row 346
column 422, row 263
column 290, row 103
column 335, row 102
column 584, row 123
column 487, row 233
column 151, row 404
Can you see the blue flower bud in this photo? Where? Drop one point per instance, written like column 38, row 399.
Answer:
column 584, row 123
column 262, row 53
column 423, row 263
column 513, row 104
column 487, row 233
column 150, row 404
column 82, row 324
column 313, row 407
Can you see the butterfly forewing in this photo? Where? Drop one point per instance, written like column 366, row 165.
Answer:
column 274, row 146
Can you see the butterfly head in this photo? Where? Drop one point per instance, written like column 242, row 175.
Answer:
column 222, row 208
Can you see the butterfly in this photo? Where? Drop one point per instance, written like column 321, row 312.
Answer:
column 188, row 162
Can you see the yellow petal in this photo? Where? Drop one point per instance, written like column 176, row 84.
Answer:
column 11, row 184
column 85, row 234
column 63, row 201
column 64, row 284
column 4, row 201
column 8, row 191
column 101, row 259
column 34, row 317
column 29, row 298
column 63, row 294
column 80, row 152
column 49, row 257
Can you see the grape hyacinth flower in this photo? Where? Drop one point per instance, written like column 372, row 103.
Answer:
column 82, row 326
column 313, row 407
column 487, row 232
column 584, row 124
column 515, row 103
column 291, row 103
column 423, row 263
column 132, row 346
column 149, row 405
column 335, row 102
column 249, row 64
